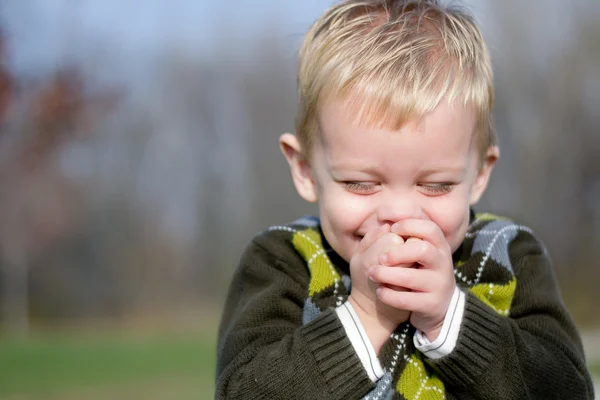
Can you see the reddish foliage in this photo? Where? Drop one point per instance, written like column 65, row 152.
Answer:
column 6, row 83
column 63, row 110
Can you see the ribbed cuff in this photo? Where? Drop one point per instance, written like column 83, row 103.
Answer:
column 336, row 359
column 360, row 341
column 474, row 351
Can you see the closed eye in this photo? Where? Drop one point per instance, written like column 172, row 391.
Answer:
column 359, row 187
column 437, row 189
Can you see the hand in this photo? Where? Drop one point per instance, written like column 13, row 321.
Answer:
column 431, row 282
column 378, row 318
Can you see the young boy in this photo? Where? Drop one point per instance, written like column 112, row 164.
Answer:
column 398, row 290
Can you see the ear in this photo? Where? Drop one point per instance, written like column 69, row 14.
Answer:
column 483, row 175
column 299, row 166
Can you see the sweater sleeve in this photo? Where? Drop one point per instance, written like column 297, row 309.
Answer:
column 264, row 350
column 534, row 353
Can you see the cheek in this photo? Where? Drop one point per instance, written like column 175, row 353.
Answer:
column 452, row 216
column 342, row 216
column 346, row 212
column 458, row 230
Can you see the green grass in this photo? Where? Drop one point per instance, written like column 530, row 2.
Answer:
column 136, row 366
column 115, row 366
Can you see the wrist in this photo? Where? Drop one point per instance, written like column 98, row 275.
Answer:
column 377, row 328
column 433, row 334
column 434, row 330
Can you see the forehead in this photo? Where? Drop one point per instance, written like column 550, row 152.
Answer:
column 443, row 135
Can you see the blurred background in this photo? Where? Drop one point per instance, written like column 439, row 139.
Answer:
column 138, row 156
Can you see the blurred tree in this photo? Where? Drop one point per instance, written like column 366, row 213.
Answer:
column 189, row 170
column 548, row 132
column 38, row 205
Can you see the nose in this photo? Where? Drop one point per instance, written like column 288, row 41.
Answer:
column 397, row 207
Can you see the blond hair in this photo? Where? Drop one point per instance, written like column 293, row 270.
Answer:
column 396, row 60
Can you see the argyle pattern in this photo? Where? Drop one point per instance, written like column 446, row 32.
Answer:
column 484, row 269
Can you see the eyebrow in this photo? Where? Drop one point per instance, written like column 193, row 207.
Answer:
column 371, row 169
column 438, row 170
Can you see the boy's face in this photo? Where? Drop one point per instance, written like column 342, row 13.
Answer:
column 364, row 177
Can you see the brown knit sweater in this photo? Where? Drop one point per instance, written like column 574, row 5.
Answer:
column 280, row 337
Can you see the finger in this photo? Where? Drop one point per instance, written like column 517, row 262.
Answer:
column 398, row 288
column 385, row 244
column 419, row 280
column 422, row 229
column 418, row 302
column 395, row 264
column 414, row 252
column 388, row 241
column 371, row 237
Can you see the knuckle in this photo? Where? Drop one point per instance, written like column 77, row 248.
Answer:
column 383, row 293
column 387, row 296
column 398, row 226
column 421, row 248
column 393, row 238
column 404, row 279
column 376, row 273
column 393, row 256
column 400, row 302
column 431, row 229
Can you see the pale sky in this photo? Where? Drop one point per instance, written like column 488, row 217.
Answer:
column 44, row 32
